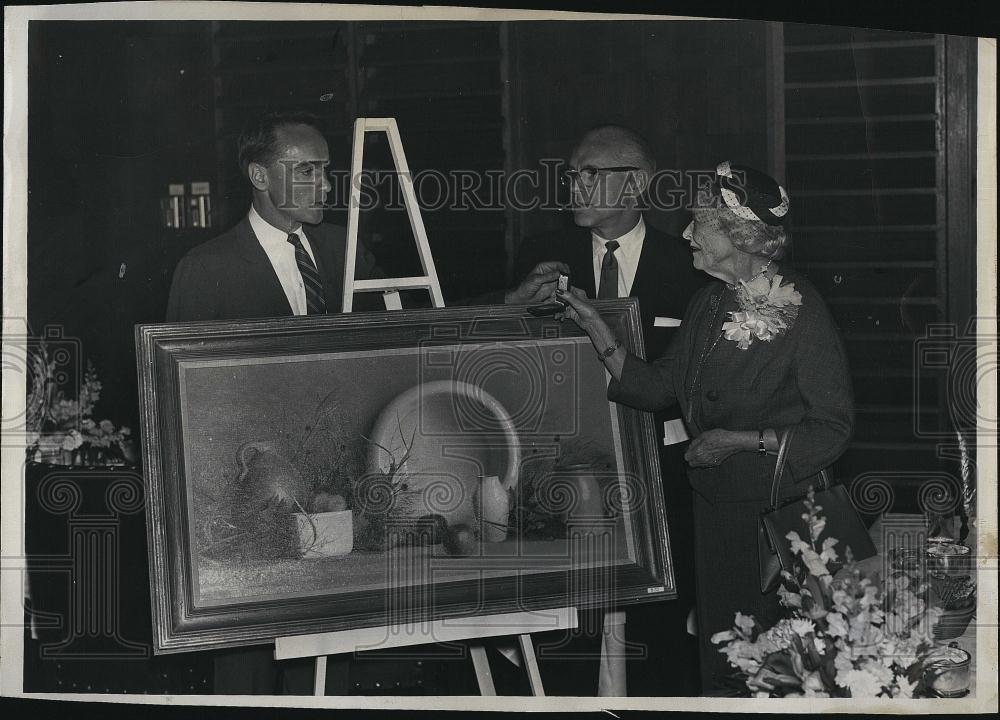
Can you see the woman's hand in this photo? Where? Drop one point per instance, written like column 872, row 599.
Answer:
column 580, row 311
column 590, row 321
column 712, row 447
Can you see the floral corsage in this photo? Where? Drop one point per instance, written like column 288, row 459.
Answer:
column 767, row 309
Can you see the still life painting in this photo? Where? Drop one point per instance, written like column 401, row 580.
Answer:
column 308, row 472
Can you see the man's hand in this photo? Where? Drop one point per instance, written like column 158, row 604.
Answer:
column 713, row 446
column 539, row 286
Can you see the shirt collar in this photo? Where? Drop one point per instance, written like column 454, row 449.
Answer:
column 268, row 234
column 626, row 242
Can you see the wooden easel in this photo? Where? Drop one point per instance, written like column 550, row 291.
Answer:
column 476, row 628
column 389, row 286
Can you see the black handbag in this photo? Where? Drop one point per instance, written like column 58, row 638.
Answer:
column 842, row 522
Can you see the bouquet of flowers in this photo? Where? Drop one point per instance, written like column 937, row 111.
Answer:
column 844, row 636
column 61, row 429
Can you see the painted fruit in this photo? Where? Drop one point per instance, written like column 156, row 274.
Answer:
column 460, row 540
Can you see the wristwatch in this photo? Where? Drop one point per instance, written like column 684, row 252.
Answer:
column 609, row 351
column 761, row 450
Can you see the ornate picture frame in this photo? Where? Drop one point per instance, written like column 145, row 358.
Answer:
column 324, row 473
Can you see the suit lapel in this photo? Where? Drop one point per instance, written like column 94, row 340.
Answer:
column 260, row 278
column 580, row 252
column 648, row 270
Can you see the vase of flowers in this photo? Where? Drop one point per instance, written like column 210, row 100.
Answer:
column 848, row 635
column 62, row 430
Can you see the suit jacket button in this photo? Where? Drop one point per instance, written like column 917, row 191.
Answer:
column 712, row 395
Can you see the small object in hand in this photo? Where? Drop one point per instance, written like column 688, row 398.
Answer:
column 460, row 540
column 562, row 287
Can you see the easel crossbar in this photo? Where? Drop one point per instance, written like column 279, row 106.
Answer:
column 448, row 630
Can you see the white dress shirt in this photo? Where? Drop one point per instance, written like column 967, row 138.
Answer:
column 281, row 253
column 627, row 254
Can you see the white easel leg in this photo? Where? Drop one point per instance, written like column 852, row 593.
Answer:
column 482, row 665
column 319, row 681
column 531, row 665
column 611, row 682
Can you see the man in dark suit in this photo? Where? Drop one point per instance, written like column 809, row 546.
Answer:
column 612, row 252
column 280, row 259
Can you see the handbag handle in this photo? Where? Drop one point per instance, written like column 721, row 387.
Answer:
column 779, row 466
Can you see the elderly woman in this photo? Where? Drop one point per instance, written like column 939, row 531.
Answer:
column 757, row 353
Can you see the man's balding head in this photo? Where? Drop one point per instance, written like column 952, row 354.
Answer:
column 613, row 166
column 627, row 146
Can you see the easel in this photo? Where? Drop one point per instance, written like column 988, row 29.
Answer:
column 390, row 287
column 521, row 624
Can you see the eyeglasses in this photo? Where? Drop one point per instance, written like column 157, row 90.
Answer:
column 587, row 175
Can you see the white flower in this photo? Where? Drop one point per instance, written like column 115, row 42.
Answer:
column 860, row 682
column 829, row 554
column 766, row 309
column 744, row 623
column 815, row 563
column 796, row 543
column 816, row 528
column 72, row 441
column 813, row 683
column 906, row 687
column 724, row 636
column 738, row 331
column 836, row 625
column 802, row 627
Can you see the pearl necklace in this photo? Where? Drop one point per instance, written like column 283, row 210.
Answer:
column 759, row 274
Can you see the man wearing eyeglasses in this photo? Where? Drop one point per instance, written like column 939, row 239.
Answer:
column 610, row 253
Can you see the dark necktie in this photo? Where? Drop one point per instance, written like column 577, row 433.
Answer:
column 609, row 272
column 310, row 277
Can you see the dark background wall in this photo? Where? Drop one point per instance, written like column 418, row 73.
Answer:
column 694, row 90
column 117, row 111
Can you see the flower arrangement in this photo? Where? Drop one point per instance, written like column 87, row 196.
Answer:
column 62, row 429
column 767, row 309
column 844, row 636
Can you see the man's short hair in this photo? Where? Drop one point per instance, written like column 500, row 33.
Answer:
column 628, row 145
column 259, row 139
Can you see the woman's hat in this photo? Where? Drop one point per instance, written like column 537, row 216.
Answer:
column 751, row 194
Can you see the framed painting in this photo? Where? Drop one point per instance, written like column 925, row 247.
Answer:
column 316, row 474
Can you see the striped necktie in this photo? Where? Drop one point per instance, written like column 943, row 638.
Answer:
column 609, row 272
column 310, row 277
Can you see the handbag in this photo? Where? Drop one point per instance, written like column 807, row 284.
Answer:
column 842, row 522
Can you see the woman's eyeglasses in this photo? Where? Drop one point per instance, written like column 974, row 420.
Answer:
column 587, row 175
